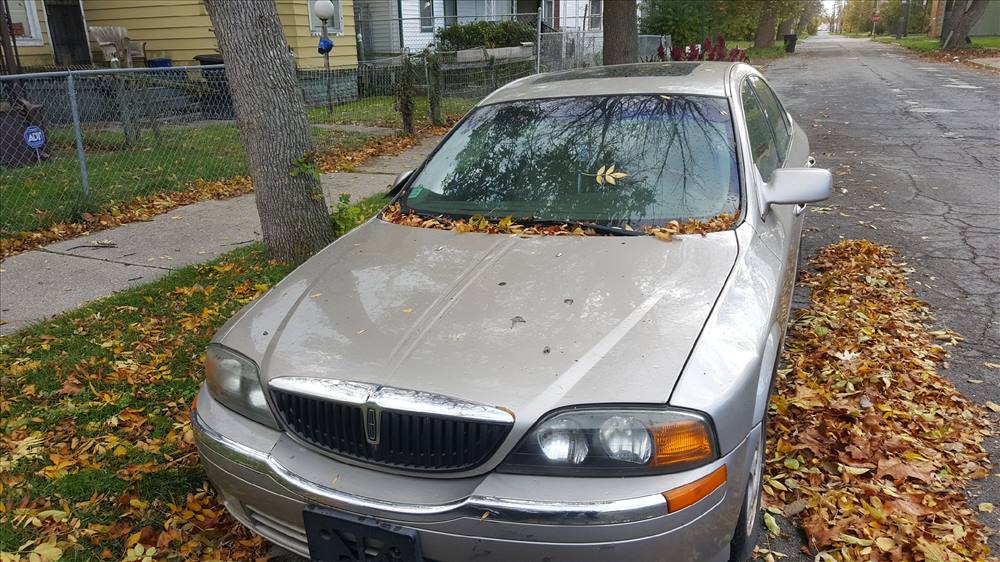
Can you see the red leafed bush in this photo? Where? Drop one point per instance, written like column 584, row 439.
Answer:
column 706, row 51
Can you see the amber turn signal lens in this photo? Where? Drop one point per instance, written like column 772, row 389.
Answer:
column 681, row 442
column 689, row 494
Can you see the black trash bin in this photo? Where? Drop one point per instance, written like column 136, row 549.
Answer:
column 216, row 103
column 790, row 42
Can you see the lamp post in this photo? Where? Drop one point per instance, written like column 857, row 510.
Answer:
column 324, row 10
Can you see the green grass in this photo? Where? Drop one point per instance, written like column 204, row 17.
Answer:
column 929, row 44
column 39, row 195
column 123, row 430
column 380, row 111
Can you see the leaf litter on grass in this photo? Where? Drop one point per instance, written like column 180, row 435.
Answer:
column 97, row 455
column 874, row 445
column 147, row 206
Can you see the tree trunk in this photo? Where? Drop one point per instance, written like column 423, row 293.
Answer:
column 275, row 132
column 621, row 32
column 961, row 22
column 804, row 19
column 764, row 37
column 784, row 29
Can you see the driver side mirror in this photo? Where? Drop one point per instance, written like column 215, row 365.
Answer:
column 796, row 186
column 399, row 182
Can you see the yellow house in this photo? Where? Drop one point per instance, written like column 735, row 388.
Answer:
column 55, row 32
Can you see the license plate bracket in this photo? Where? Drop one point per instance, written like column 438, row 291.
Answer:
column 336, row 536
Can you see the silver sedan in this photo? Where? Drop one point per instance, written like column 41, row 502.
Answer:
column 557, row 343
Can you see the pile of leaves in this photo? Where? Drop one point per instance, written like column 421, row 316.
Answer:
column 478, row 223
column 870, row 447
column 718, row 223
column 97, row 455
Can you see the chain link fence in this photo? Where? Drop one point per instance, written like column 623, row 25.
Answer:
column 76, row 143
column 575, row 42
column 73, row 143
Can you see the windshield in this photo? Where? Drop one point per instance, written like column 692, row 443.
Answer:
column 636, row 160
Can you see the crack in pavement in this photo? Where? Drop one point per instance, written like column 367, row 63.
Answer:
column 107, row 260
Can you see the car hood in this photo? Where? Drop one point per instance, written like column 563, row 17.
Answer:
column 525, row 323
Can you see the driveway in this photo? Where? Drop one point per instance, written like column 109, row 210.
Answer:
column 915, row 149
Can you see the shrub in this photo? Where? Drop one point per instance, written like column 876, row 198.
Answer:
column 488, row 34
column 706, row 51
column 347, row 215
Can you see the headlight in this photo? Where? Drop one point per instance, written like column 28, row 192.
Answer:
column 234, row 381
column 614, row 442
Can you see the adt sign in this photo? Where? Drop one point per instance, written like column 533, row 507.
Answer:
column 34, row 137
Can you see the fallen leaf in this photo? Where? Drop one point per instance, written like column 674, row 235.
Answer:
column 885, row 544
column 772, row 525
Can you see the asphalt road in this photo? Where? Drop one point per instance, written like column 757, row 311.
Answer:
column 915, row 149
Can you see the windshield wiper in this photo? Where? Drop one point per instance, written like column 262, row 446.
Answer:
column 602, row 228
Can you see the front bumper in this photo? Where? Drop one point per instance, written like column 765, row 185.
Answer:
column 266, row 479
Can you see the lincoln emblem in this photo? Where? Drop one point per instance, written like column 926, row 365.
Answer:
column 371, row 424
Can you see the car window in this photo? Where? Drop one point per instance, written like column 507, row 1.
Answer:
column 631, row 159
column 775, row 114
column 762, row 145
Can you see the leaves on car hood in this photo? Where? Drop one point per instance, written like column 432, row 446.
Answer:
column 507, row 225
column 865, row 433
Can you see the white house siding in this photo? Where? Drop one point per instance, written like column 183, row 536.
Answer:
column 379, row 27
column 572, row 12
column 414, row 38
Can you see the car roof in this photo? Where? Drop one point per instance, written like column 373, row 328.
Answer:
column 699, row 78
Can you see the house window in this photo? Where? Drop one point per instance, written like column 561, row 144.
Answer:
column 333, row 25
column 426, row 15
column 595, row 13
column 25, row 26
column 450, row 12
column 548, row 11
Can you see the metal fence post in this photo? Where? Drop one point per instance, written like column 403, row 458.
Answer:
column 80, row 152
column 538, row 43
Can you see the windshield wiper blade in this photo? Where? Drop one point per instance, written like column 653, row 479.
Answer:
column 602, row 228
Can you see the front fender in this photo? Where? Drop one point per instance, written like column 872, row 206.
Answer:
column 729, row 373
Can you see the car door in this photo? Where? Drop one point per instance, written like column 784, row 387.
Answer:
column 791, row 155
column 769, row 139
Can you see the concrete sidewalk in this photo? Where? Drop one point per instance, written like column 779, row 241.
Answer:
column 62, row 276
column 991, row 63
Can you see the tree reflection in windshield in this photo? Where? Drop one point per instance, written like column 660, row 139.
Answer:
column 673, row 157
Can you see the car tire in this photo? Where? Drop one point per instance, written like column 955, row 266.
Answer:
column 748, row 525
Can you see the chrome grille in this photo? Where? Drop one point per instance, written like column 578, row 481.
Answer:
column 412, row 440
